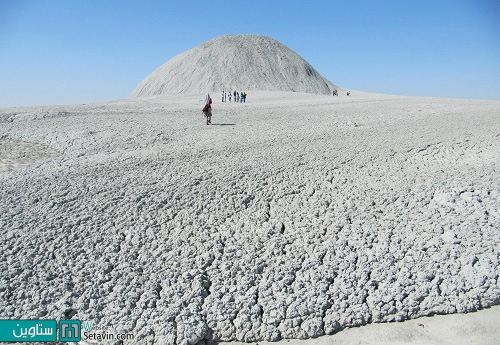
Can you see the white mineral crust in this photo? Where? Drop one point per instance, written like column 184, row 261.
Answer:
column 292, row 216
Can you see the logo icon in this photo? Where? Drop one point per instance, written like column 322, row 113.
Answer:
column 69, row 330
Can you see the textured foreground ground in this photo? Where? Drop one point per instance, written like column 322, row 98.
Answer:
column 479, row 328
column 293, row 216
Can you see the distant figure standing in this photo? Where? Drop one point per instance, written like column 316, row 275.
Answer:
column 222, row 96
column 234, row 94
column 348, row 93
column 244, row 97
column 229, row 96
column 241, row 97
column 207, row 108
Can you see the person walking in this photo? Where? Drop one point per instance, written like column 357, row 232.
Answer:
column 207, row 108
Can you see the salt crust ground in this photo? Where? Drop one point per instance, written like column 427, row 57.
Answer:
column 16, row 153
column 293, row 216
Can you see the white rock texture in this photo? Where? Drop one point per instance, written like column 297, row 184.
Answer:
column 235, row 62
column 277, row 221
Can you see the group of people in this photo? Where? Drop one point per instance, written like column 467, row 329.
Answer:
column 335, row 93
column 207, row 102
column 237, row 96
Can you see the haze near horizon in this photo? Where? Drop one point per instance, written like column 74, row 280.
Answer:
column 80, row 52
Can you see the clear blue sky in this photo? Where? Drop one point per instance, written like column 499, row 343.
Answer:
column 81, row 51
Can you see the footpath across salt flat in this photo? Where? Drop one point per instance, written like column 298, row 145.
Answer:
column 478, row 328
column 292, row 216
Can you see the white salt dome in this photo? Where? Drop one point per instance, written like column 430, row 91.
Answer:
column 235, row 62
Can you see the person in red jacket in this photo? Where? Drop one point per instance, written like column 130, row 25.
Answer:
column 207, row 108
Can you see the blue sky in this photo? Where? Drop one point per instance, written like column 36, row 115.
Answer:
column 65, row 52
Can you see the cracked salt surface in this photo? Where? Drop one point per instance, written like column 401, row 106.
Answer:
column 302, row 216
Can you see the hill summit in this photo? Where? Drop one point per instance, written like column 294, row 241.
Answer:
column 235, row 62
